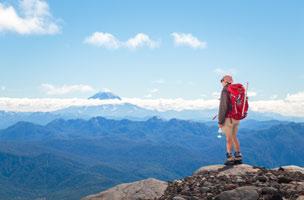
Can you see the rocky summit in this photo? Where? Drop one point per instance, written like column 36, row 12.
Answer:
column 239, row 182
column 140, row 190
column 217, row 182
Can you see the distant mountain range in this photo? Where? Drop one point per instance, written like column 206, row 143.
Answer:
column 122, row 111
column 82, row 157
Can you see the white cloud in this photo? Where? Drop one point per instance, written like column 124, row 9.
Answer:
column 52, row 104
column 292, row 105
column 141, row 40
column 173, row 104
column 107, row 40
column 282, row 107
column 65, row 89
column 298, row 97
column 34, row 17
column 47, row 104
column 187, row 39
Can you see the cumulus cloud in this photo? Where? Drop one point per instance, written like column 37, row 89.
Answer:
column 187, row 39
column 291, row 105
column 34, row 17
column 141, row 40
column 107, row 40
column 50, row 89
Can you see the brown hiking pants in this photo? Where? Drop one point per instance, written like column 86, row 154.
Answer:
column 231, row 126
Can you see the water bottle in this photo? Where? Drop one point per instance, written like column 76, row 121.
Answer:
column 220, row 132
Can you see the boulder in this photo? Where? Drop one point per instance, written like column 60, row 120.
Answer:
column 270, row 193
column 241, row 193
column 238, row 170
column 227, row 170
column 208, row 169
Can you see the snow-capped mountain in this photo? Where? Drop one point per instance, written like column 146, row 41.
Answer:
column 105, row 95
column 117, row 111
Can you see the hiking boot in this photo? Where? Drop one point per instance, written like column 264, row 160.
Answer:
column 230, row 159
column 238, row 158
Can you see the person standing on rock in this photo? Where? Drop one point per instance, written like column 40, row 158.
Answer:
column 233, row 107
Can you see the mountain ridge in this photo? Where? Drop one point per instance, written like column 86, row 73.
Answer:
column 119, row 151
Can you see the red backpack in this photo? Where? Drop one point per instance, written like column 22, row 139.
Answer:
column 238, row 100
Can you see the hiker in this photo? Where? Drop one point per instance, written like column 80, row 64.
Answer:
column 229, row 118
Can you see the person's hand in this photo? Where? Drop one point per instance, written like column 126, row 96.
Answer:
column 220, row 125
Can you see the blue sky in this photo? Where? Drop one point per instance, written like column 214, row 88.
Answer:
column 257, row 41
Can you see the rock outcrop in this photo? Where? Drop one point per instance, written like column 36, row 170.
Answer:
column 217, row 182
column 139, row 190
column 240, row 182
